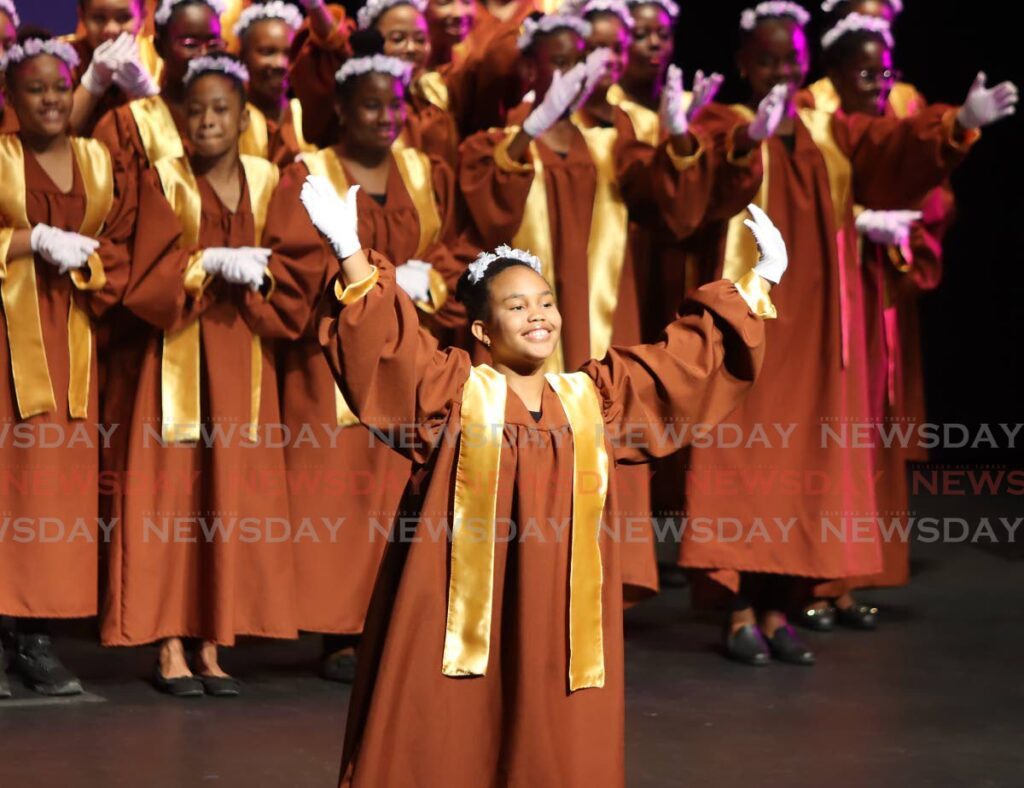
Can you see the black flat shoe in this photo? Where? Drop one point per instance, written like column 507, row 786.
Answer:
column 747, row 645
column 5, row 684
column 180, row 687
column 42, row 670
column 221, row 686
column 857, row 616
column 786, row 646
column 339, row 667
column 819, row 619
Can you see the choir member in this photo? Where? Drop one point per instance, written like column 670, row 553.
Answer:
column 203, row 545
column 503, row 643
column 406, row 209
column 449, row 23
column 803, row 505
column 64, row 226
column 118, row 63
column 9, row 21
column 265, row 33
column 651, row 47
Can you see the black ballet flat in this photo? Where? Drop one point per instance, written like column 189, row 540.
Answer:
column 220, row 686
column 864, row 617
column 786, row 646
column 817, row 619
column 180, row 687
column 747, row 645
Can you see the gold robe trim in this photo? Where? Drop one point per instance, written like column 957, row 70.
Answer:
column 256, row 140
column 471, row 585
column 431, row 87
column 157, row 130
column 30, row 370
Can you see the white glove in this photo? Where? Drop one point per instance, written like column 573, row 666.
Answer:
column 774, row 258
column 556, row 102
column 246, row 265
column 414, row 279
column 891, row 228
column 704, row 91
column 336, row 217
column 61, row 248
column 100, row 73
column 769, row 114
column 131, row 76
column 987, row 105
column 673, row 115
column 596, row 67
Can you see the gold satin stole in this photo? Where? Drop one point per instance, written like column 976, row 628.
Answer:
column 256, row 139
column 157, row 129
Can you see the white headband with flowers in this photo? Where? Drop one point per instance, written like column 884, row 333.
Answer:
column 855, row 23
column 377, row 64
column 531, row 28
column 163, row 13
column 215, row 64
column 34, row 47
column 7, row 6
column 370, row 12
column 276, row 9
column 829, row 5
column 667, row 6
column 479, row 267
column 774, row 8
column 616, row 7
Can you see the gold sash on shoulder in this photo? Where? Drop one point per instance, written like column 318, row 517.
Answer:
column 256, row 139
column 29, row 367
column 157, row 129
column 471, row 585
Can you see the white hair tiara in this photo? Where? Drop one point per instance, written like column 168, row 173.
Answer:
column 276, row 9
column 668, row 6
column 479, row 267
column 215, row 64
column 855, row 23
column 163, row 13
column 830, row 5
column 774, row 8
column 531, row 28
column 378, row 64
column 616, row 7
column 371, row 12
column 7, row 6
column 40, row 46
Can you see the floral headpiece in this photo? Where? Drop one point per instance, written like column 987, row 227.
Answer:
column 531, row 28
column 215, row 64
column 40, row 46
column 479, row 267
column 378, row 64
column 668, row 6
column 855, row 23
column 774, row 8
column 370, row 12
column 276, row 9
column 163, row 12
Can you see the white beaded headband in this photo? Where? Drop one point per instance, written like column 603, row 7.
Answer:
column 774, row 8
column 668, row 6
column 548, row 24
column 377, row 64
column 163, row 13
column 34, row 47
column 215, row 64
column 371, row 12
column 829, row 5
column 616, row 7
column 479, row 267
column 855, row 23
column 276, row 9
column 7, row 6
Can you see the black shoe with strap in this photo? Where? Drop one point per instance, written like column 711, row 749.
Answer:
column 42, row 670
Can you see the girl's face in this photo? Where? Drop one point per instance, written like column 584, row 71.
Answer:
column 865, row 79
column 607, row 30
column 373, row 114
column 215, row 114
column 450, row 20
column 40, row 91
column 523, row 324
column 775, row 54
column 651, row 46
column 405, row 35
column 556, row 51
column 193, row 31
column 8, row 33
column 266, row 53
column 105, row 20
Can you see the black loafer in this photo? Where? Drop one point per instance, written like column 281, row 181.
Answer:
column 339, row 667
column 42, row 670
column 180, row 687
column 747, row 645
column 221, row 686
column 858, row 617
column 819, row 619
column 786, row 646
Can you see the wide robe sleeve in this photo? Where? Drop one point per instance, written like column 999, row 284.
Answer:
column 706, row 363
column 315, row 62
column 493, row 186
column 737, row 177
column 390, row 369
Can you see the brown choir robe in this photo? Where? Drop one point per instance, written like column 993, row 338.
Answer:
column 497, row 194
column 345, row 482
column 804, row 504
column 203, row 546
column 278, row 141
column 49, row 478
column 517, row 725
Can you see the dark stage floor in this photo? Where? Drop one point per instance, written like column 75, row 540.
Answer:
column 934, row 698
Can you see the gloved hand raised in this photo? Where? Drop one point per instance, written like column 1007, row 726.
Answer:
column 131, row 76
column 595, row 67
column 769, row 114
column 705, row 88
column 335, row 217
column 414, row 279
column 887, row 227
column 987, row 105
column 562, row 94
column 61, row 248
column 774, row 259
column 105, row 60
